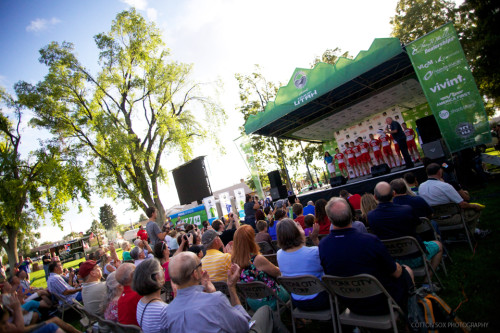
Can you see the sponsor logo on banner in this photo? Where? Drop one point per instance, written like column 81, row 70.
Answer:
column 300, row 80
column 444, row 114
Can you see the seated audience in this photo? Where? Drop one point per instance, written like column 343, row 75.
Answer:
column 172, row 244
column 198, row 250
column 368, row 203
column 127, row 303
column 309, row 209
column 57, row 285
column 321, row 218
column 389, row 220
column 93, row 290
column 215, row 262
column 353, row 199
column 107, row 264
column 126, row 252
column 436, row 192
column 255, row 267
column 196, row 294
column 347, row 252
column 411, row 181
column 142, row 234
column 263, row 235
column 226, row 233
column 113, row 292
column 279, row 215
column 295, row 258
column 162, row 253
column 147, row 282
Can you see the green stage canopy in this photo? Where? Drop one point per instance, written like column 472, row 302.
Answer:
column 317, row 102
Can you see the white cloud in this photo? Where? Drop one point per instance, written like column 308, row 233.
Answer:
column 42, row 24
column 138, row 4
column 152, row 14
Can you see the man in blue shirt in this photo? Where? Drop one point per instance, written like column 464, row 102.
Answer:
column 389, row 220
column 347, row 252
column 196, row 295
column 395, row 129
column 309, row 209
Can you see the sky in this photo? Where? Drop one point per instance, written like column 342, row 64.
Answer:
column 219, row 37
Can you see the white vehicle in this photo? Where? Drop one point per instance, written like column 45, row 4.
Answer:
column 130, row 235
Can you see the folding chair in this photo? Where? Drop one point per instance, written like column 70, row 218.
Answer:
column 305, row 285
column 451, row 217
column 266, row 248
column 259, row 290
column 64, row 306
column 274, row 243
column 402, row 247
column 426, row 228
column 119, row 328
column 222, row 287
column 359, row 287
column 90, row 317
column 273, row 258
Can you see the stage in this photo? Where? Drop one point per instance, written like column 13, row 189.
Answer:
column 361, row 185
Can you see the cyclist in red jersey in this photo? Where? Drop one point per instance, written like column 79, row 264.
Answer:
column 376, row 145
column 351, row 159
column 341, row 161
column 364, row 148
column 359, row 158
column 386, row 140
column 410, row 142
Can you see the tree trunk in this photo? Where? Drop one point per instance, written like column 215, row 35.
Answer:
column 11, row 247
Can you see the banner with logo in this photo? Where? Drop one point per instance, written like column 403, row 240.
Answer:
column 448, row 84
column 225, row 203
column 239, row 199
column 194, row 215
column 210, row 208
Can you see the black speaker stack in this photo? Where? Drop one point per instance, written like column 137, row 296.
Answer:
column 337, row 181
column 380, row 170
column 278, row 190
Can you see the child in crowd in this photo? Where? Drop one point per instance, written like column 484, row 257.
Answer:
column 262, row 235
column 309, row 222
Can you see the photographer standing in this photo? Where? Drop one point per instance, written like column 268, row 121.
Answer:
column 250, row 207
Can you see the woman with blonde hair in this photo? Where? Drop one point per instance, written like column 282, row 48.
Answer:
column 113, row 293
column 255, row 267
column 368, row 203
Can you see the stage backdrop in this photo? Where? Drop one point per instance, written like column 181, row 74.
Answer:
column 448, row 84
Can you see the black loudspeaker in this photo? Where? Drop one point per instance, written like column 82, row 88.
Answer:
column 337, row 181
column 275, row 178
column 279, row 192
column 381, row 169
column 434, row 150
column 428, row 129
column 191, row 181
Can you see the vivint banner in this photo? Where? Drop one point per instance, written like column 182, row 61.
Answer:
column 448, row 84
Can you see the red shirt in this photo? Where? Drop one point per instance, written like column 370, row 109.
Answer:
column 349, row 152
column 324, row 226
column 300, row 219
column 142, row 234
column 410, row 134
column 363, row 147
column 339, row 157
column 355, row 201
column 127, row 306
column 375, row 144
column 385, row 139
column 356, row 151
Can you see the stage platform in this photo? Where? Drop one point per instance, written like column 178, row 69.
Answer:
column 361, row 185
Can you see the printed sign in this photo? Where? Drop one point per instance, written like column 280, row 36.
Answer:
column 194, row 215
column 210, row 207
column 448, row 85
column 225, row 203
column 239, row 199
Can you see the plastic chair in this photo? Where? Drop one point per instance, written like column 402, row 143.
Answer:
column 359, row 287
column 222, row 287
column 119, row 328
column 266, row 248
column 402, row 247
column 304, row 285
column 259, row 290
column 451, row 217
column 427, row 228
column 273, row 258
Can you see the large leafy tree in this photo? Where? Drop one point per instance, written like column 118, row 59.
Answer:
column 32, row 186
column 107, row 217
column 138, row 108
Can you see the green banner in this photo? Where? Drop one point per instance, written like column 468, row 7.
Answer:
column 448, row 84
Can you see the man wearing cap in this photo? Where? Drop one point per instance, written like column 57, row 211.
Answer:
column 215, row 262
column 93, row 290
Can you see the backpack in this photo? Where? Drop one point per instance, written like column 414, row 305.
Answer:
column 428, row 312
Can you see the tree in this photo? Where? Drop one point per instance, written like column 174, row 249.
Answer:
column 415, row 18
column 107, row 217
column 330, row 56
column 142, row 218
column 139, row 107
column 97, row 229
column 32, row 186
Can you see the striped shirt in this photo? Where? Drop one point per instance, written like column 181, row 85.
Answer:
column 57, row 285
column 153, row 318
column 216, row 264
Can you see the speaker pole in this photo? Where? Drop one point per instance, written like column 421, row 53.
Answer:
column 307, row 164
column 284, row 165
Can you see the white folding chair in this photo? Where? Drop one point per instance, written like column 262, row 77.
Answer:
column 359, row 287
column 305, row 285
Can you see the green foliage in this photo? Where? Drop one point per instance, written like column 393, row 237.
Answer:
column 107, row 217
column 139, row 107
column 142, row 217
column 31, row 187
column 330, row 56
column 96, row 227
column 477, row 23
